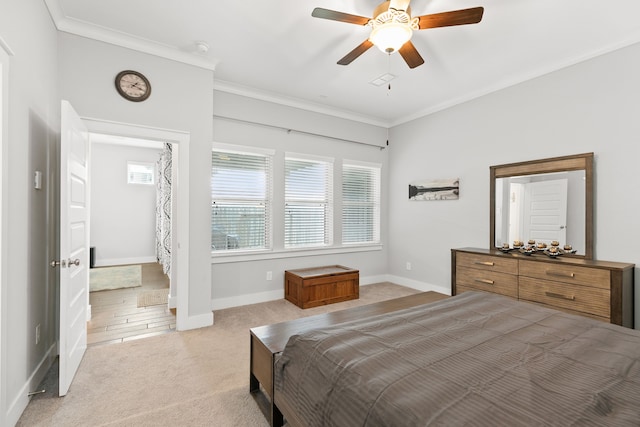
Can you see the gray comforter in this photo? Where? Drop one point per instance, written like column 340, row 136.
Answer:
column 475, row 359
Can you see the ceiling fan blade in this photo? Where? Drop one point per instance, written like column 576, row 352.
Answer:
column 455, row 17
column 351, row 56
column 333, row 15
column 410, row 55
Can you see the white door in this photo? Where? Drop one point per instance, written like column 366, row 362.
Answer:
column 74, row 244
column 545, row 211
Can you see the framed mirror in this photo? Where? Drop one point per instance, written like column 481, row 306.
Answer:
column 544, row 200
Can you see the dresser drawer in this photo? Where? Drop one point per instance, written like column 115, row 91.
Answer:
column 487, row 262
column 490, row 281
column 592, row 300
column 577, row 275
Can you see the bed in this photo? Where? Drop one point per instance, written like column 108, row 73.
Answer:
column 473, row 359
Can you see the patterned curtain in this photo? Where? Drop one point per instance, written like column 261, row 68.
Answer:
column 163, row 210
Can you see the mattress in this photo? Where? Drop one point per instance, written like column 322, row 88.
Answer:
column 473, row 359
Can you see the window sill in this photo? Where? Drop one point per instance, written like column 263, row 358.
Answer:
column 223, row 258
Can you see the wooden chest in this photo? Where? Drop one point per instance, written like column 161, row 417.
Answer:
column 312, row 287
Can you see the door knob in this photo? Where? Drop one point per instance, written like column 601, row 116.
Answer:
column 75, row 262
column 55, row 263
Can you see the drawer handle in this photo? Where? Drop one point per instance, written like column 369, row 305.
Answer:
column 558, row 274
column 554, row 295
column 489, row 263
column 487, row 281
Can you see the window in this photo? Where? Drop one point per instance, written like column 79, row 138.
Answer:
column 308, row 201
column 360, row 203
column 240, row 199
column 140, row 173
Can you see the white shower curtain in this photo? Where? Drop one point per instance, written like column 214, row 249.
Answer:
column 163, row 210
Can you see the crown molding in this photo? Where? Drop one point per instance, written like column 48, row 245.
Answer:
column 521, row 78
column 5, row 46
column 106, row 35
column 249, row 92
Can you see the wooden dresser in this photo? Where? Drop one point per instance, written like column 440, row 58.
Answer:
column 597, row 289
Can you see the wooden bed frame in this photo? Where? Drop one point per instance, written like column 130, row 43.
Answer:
column 270, row 340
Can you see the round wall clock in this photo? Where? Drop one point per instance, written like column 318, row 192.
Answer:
column 133, row 86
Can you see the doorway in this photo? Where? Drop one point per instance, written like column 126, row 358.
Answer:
column 178, row 289
column 131, row 214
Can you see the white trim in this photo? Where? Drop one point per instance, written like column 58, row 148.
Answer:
column 262, row 95
column 241, row 149
column 5, row 53
column 361, row 164
column 180, row 254
column 266, row 296
column 223, row 258
column 288, row 155
column 420, row 286
column 17, row 407
column 236, row 301
column 195, row 322
column 520, row 78
column 125, row 261
column 5, row 46
column 95, row 32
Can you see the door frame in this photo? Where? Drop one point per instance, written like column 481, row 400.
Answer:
column 5, row 58
column 180, row 222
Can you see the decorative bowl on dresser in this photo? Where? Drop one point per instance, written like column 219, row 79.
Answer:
column 598, row 289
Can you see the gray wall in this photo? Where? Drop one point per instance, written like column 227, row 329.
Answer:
column 123, row 216
column 87, row 72
column 592, row 106
column 242, row 280
column 28, row 287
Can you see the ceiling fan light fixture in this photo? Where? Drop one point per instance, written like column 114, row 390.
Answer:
column 390, row 36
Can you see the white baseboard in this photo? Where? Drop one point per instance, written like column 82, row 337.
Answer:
column 258, row 297
column 370, row 280
column 246, row 299
column 420, row 286
column 19, row 404
column 172, row 301
column 125, row 261
column 194, row 322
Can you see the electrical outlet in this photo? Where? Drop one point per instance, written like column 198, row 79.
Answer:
column 408, row 265
column 269, row 275
column 38, row 334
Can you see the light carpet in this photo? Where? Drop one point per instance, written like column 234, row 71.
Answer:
column 192, row 378
column 109, row 278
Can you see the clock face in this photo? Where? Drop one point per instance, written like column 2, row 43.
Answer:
column 133, row 85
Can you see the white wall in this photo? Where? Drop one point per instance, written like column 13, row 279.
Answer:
column 592, row 106
column 28, row 285
column 242, row 280
column 87, row 70
column 123, row 221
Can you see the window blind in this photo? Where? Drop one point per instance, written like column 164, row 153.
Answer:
column 308, row 202
column 140, row 173
column 360, row 204
column 240, row 200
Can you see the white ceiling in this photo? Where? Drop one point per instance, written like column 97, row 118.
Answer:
column 276, row 50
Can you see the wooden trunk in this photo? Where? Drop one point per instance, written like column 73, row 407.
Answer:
column 311, row 287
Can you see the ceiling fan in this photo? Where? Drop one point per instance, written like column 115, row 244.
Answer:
column 392, row 27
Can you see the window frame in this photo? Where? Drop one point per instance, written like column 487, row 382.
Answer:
column 376, row 203
column 153, row 172
column 267, row 201
column 328, row 200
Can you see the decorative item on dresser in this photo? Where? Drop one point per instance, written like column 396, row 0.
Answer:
column 599, row 289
